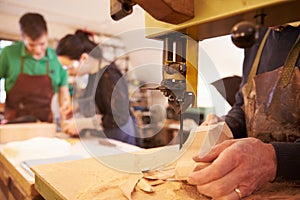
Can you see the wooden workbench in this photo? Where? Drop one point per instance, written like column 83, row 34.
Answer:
column 15, row 183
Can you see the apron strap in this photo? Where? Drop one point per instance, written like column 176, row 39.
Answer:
column 256, row 62
column 47, row 67
column 22, row 64
column 290, row 63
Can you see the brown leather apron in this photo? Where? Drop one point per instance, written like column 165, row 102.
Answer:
column 30, row 96
column 272, row 99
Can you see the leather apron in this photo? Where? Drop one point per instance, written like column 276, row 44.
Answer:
column 272, row 99
column 30, row 96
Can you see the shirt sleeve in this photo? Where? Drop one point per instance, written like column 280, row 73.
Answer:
column 61, row 75
column 288, row 162
column 3, row 63
column 64, row 77
column 235, row 118
column 112, row 98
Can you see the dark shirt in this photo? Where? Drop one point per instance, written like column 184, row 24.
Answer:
column 288, row 163
column 106, row 93
column 273, row 56
column 112, row 98
column 85, row 98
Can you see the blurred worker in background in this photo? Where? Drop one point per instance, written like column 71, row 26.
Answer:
column 106, row 88
column 32, row 73
column 267, row 109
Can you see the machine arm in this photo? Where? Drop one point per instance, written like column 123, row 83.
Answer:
column 170, row 11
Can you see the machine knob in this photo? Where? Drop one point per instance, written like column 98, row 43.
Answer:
column 244, row 34
column 120, row 9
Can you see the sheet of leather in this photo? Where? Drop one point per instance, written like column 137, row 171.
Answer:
column 87, row 179
column 170, row 190
column 204, row 138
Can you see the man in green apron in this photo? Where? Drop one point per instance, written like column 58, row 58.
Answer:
column 32, row 73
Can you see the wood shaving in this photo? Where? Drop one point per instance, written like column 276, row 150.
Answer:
column 144, row 185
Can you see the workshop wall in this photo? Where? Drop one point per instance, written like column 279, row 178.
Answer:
column 218, row 58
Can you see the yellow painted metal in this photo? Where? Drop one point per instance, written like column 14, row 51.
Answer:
column 192, row 67
column 216, row 17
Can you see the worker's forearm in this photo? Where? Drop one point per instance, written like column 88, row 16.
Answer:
column 64, row 96
column 65, row 103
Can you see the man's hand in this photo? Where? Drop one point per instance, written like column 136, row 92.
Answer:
column 65, row 106
column 69, row 127
column 239, row 167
